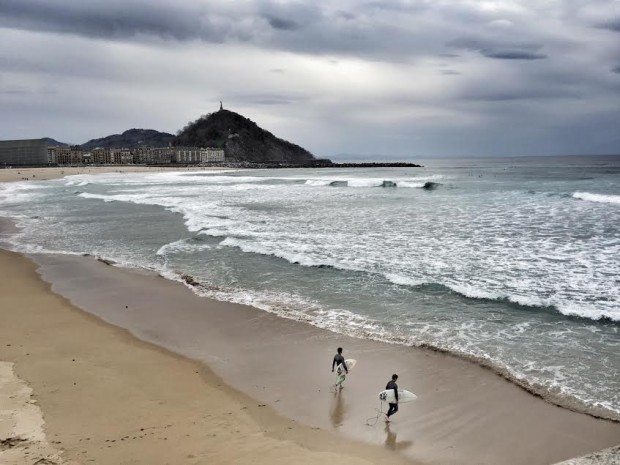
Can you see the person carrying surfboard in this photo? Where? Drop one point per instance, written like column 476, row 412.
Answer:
column 393, row 406
column 339, row 360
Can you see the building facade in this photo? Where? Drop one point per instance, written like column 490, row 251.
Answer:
column 36, row 152
column 161, row 155
column 23, row 152
column 195, row 155
column 213, row 155
column 101, row 156
column 65, row 156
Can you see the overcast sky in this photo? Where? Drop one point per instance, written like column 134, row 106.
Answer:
column 400, row 79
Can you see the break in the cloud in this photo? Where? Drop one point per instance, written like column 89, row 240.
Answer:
column 408, row 78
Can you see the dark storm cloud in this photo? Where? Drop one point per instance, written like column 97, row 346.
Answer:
column 105, row 19
column 282, row 24
column 500, row 50
column 409, row 75
column 389, row 31
column 611, row 24
column 512, row 55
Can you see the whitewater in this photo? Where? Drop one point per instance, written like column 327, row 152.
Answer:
column 512, row 264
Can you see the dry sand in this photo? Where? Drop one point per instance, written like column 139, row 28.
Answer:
column 22, row 439
column 45, row 173
column 108, row 398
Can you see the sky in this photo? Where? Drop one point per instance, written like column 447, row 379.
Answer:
column 369, row 79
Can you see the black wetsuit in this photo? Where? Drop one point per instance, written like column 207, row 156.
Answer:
column 393, row 406
column 338, row 359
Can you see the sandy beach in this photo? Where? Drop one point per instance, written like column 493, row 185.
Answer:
column 273, row 232
column 109, row 397
column 55, row 172
column 105, row 364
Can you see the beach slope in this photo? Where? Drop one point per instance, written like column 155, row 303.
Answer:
column 109, row 398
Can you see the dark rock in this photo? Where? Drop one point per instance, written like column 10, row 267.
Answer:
column 190, row 280
column 8, row 443
column 430, row 186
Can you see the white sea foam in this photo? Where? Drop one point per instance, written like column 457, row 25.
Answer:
column 14, row 193
column 183, row 246
column 404, row 280
column 481, row 243
column 410, row 183
column 240, row 230
column 601, row 198
column 366, row 182
column 552, row 386
column 319, row 182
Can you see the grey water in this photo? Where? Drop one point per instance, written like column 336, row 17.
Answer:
column 511, row 263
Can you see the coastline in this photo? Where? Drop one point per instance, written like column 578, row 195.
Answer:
column 466, row 407
column 108, row 397
column 469, row 414
column 56, row 172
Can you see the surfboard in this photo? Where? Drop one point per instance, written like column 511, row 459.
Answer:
column 351, row 362
column 404, row 396
column 340, row 373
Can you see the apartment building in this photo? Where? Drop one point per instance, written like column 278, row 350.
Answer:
column 195, row 155
column 23, row 152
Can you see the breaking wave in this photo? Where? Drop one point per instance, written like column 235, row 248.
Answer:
column 343, row 321
column 540, row 257
column 600, row 198
column 420, row 183
column 466, row 290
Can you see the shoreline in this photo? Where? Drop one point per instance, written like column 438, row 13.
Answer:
column 107, row 397
column 557, row 399
column 223, row 336
column 46, row 173
column 544, row 392
column 468, row 399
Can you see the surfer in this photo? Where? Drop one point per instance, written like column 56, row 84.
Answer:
column 393, row 406
column 339, row 360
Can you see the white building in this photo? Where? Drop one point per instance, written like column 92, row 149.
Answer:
column 212, row 155
column 197, row 155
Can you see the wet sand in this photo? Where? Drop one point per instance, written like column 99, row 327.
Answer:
column 55, row 172
column 108, row 398
column 465, row 414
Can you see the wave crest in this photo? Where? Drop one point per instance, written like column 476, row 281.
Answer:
column 600, row 198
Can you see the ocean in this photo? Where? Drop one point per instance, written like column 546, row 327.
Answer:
column 513, row 263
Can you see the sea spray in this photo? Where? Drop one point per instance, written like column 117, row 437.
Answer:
column 508, row 269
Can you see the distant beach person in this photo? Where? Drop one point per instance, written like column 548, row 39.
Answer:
column 339, row 359
column 393, row 406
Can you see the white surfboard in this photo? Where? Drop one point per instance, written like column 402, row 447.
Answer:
column 340, row 373
column 351, row 362
column 403, row 396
